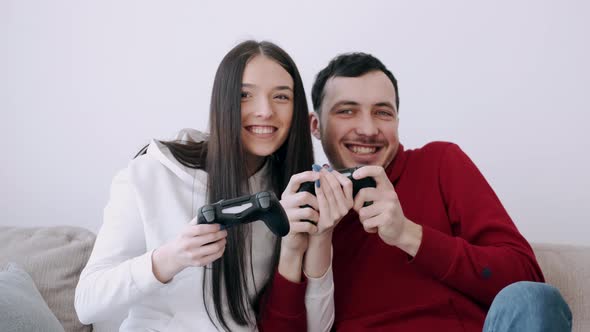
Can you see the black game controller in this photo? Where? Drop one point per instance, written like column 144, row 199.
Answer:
column 260, row 206
column 357, row 185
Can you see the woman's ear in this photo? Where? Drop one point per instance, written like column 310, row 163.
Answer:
column 314, row 125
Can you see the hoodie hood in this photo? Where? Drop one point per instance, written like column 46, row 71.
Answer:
column 258, row 182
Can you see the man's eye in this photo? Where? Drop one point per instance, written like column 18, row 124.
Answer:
column 384, row 113
column 344, row 111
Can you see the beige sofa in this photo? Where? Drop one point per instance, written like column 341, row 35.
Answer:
column 55, row 256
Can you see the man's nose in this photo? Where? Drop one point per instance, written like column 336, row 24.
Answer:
column 366, row 127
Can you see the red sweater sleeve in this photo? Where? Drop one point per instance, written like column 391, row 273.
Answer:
column 486, row 251
column 283, row 306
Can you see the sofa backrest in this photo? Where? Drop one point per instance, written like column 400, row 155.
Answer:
column 568, row 269
column 54, row 257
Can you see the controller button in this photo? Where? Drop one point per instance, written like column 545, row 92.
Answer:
column 209, row 213
column 264, row 200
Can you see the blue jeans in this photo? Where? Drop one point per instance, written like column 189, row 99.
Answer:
column 528, row 306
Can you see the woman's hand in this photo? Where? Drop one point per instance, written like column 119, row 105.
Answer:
column 299, row 206
column 196, row 245
column 334, row 197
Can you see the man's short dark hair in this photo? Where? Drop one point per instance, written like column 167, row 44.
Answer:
column 348, row 65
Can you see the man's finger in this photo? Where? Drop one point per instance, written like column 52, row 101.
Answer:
column 376, row 172
column 370, row 211
column 365, row 195
column 371, row 225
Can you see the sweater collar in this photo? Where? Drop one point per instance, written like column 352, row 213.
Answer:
column 396, row 167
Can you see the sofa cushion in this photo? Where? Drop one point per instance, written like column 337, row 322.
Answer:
column 568, row 269
column 22, row 307
column 54, row 257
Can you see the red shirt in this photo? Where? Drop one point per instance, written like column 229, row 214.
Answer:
column 470, row 250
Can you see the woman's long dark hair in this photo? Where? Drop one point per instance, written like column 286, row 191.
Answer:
column 222, row 156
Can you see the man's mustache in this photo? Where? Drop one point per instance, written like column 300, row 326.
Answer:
column 366, row 140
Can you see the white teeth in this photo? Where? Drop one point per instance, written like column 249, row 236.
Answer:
column 262, row 130
column 363, row 149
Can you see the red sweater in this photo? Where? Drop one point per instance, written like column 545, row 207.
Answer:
column 470, row 250
column 283, row 306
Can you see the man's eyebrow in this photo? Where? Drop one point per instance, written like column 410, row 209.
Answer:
column 344, row 103
column 386, row 104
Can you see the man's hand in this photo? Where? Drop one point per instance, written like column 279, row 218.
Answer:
column 385, row 216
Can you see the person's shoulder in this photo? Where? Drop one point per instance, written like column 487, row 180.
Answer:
column 436, row 152
column 191, row 135
column 158, row 160
column 139, row 169
column 150, row 160
column 158, row 150
column 436, row 148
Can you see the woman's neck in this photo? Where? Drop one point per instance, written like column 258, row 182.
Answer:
column 254, row 164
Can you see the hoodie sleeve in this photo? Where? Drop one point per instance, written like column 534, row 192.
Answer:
column 319, row 302
column 119, row 271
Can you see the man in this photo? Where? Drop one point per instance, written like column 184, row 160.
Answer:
column 436, row 246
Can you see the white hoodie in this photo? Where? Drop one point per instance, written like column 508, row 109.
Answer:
column 151, row 201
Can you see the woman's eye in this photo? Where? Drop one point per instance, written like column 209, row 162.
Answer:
column 282, row 97
column 245, row 94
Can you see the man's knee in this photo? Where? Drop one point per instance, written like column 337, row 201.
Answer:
column 530, row 293
column 532, row 299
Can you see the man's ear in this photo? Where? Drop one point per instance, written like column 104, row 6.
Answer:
column 314, row 125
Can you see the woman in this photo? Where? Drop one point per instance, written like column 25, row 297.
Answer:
column 152, row 260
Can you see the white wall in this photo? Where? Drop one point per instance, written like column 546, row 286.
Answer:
column 84, row 84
